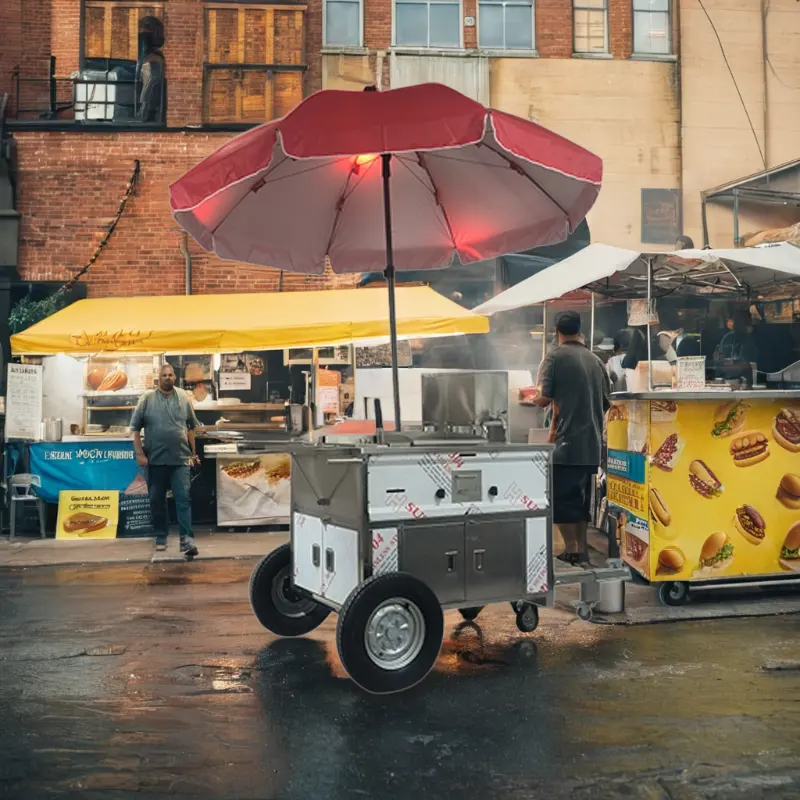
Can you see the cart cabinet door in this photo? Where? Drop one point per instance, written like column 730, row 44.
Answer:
column 435, row 555
column 307, row 552
column 495, row 559
column 340, row 563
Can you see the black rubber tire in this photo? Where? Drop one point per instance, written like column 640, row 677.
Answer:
column 673, row 593
column 528, row 618
column 276, row 569
column 470, row 613
column 352, row 624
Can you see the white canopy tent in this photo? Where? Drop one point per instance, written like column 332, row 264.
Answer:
column 598, row 267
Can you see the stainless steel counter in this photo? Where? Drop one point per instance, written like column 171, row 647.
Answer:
column 711, row 396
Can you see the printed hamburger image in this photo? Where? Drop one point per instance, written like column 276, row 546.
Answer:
column 666, row 457
column 671, row 561
column 790, row 552
column 789, row 491
column 748, row 448
column 750, row 524
column 786, row 429
column 715, row 556
column 83, row 523
column 729, row 418
column 658, row 508
column 703, row 480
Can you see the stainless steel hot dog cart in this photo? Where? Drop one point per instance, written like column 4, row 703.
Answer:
column 389, row 535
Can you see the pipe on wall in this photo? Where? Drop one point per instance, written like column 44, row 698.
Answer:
column 187, row 261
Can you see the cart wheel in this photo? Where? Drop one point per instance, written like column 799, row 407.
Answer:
column 585, row 612
column 469, row 614
column 528, row 618
column 673, row 593
column 389, row 632
column 278, row 607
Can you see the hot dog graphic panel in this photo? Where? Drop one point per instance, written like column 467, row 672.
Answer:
column 722, row 484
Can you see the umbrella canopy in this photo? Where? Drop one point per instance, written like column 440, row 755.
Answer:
column 466, row 182
column 230, row 323
column 617, row 272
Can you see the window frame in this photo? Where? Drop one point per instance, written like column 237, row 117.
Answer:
column 326, row 45
column 577, row 6
column 670, row 38
column 246, row 66
column 504, row 4
column 431, row 47
column 84, row 4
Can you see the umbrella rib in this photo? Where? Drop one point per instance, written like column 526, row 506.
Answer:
column 446, row 219
column 514, row 166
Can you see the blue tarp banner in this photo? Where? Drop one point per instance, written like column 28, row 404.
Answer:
column 81, row 466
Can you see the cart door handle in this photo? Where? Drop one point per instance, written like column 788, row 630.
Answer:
column 477, row 559
column 329, row 560
column 315, row 555
column 451, row 555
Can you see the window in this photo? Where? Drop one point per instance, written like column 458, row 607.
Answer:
column 427, row 23
column 343, row 23
column 590, row 26
column 111, row 29
column 505, row 24
column 254, row 62
column 651, row 28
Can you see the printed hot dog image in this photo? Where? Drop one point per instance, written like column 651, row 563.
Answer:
column 666, row 457
column 82, row 523
column 729, row 418
column 749, row 448
column 703, row 480
column 658, row 508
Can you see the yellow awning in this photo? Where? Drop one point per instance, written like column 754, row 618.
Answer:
column 231, row 323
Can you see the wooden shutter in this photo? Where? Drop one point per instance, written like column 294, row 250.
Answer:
column 257, row 36
column 111, row 30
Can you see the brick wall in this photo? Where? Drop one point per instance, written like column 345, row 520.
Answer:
column 70, row 186
column 554, row 28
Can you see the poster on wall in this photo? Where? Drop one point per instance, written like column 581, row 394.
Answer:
column 24, row 401
column 87, row 515
column 253, row 491
column 85, row 466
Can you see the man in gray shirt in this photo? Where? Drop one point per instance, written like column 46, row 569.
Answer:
column 574, row 380
column 168, row 420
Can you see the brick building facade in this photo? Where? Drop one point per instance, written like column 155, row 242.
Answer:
column 606, row 73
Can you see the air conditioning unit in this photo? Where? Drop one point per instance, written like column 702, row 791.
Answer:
column 94, row 94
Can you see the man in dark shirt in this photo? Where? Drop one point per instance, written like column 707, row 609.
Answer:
column 574, row 381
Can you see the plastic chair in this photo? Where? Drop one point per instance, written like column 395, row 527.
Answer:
column 22, row 491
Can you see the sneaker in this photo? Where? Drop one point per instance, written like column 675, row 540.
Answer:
column 188, row 547
column 161, row 542
column 570, row 559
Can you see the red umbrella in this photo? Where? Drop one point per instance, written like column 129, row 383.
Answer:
column 409, row 178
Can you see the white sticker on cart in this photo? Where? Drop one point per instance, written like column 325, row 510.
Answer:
column 536, row 574
column 384, row 550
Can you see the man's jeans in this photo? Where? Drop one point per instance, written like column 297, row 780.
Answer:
column 159, row 480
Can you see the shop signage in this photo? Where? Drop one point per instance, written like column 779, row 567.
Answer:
column 627, row 465
column 692, row 372
column 109, row 340
column 627, row 494
column 23, row 401
column 87, row 515
column 106, row 466
column 234, row 381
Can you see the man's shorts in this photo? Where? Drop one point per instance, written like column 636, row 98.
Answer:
column 572, row 493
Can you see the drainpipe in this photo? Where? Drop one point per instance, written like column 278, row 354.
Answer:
column 187, row 259
column 764, row 64
column 704, row 217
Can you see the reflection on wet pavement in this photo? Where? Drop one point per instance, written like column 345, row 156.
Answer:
column 156, row 681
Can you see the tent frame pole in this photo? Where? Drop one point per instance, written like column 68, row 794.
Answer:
column 649, row 337
column 386, row 159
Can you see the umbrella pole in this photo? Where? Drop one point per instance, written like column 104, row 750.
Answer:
column 389, row 273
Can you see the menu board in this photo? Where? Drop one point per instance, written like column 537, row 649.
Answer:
column 24, row 401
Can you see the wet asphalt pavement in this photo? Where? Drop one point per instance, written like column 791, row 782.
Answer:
column 157, row 681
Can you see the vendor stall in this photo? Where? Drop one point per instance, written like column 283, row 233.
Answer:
column 703, row 468
column 242, row 359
